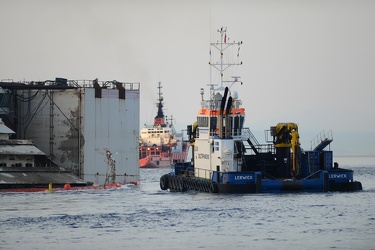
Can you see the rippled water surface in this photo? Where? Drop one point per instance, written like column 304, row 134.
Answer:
column 145, row 217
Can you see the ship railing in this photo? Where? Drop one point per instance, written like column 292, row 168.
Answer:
column 215, row 104
column 203, row 173
column 81, row 83
column 104, row 84
column 321, row 137
column 247, row 134
column 238, row 134
column 261, row 148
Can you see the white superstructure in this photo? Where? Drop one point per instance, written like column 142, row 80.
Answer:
column 220, row 119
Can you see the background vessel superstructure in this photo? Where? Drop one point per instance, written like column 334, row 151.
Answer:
column 160, row 144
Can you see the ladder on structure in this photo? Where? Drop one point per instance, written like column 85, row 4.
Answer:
column 254, row 144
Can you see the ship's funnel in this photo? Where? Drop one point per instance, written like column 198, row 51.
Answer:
column 228, row 125
column 220, row 118
column 223, row 100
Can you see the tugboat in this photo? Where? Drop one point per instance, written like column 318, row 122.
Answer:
column 160, row 145
column 227, row 158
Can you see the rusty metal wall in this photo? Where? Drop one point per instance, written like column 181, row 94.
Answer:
column 51, row 118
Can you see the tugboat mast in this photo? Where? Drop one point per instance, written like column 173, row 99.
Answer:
column 221, row 47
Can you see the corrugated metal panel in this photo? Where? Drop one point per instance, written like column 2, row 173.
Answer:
column 110, row 93
column 111, row 124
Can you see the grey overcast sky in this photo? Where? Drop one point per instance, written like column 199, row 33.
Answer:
column 309, row 62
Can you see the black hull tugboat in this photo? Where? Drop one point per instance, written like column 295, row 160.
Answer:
column 227, row 158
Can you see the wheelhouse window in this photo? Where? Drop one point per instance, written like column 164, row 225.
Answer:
column 202, row 121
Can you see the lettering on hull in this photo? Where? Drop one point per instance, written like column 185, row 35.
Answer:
column 338, row 176
column 242, row 177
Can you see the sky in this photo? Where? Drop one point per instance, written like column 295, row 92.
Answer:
column 308, row 62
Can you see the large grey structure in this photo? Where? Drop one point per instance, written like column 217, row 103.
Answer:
column 78, row 124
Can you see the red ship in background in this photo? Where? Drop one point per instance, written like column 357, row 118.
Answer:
column 160, row 145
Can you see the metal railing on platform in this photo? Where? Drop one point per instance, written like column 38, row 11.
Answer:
column 321, row 137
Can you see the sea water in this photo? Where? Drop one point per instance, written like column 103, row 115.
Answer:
column 145, row 217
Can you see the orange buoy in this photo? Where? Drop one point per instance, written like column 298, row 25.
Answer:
column 67, row 186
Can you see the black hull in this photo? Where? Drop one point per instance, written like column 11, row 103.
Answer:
column 184, row 183
column 237, row 189
column 345, row 186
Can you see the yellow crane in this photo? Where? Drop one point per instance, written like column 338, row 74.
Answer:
column 287, row 137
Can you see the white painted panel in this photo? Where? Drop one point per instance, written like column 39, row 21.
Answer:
column 113, row 126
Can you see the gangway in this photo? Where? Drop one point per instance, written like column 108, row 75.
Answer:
column 322, row 140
